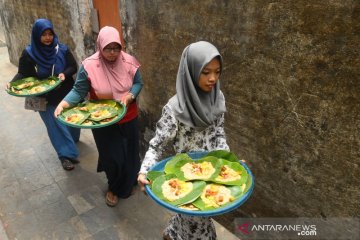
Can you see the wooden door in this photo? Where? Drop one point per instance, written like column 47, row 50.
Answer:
column 108, row 14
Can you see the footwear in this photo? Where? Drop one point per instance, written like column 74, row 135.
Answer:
column 166, row 236
column 74, row 160
column 67, row 164
column 111, row 199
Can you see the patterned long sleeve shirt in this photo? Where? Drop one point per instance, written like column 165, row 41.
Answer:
column 183, row 138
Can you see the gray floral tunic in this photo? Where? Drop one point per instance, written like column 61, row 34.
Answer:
column 185, row 139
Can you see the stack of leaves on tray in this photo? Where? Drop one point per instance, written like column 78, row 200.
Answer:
column 92, row 113
column 208, row 183
column 32, row 86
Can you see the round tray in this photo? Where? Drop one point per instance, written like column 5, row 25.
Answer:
column 115, row 120
column 196, row 155
column 57, row 83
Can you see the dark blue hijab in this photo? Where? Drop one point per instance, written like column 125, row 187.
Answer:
column 46, row 56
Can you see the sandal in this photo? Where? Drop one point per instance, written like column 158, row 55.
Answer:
column 67, row 164
column 111, row 202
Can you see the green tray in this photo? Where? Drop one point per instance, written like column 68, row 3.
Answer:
column 117, row 118
column 38, row 83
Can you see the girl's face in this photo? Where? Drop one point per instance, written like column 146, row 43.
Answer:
column 47, row 37
column 111, row 51
column 210, row 75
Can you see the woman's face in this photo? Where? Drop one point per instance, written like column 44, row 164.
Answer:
column 210, row 75
column 111, row 51
column 47, row 37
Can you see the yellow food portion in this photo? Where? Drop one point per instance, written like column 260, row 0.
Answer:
column 16, row 91
column 189, row 206
column 228, row 174
column 37, row 89
column 52, row 82
column 107, row 120
column 24, row 85
column 100, row 113
column 87, row 123
column 215, row 195
column 175, row 189
column 201, row 170
column 74, row 118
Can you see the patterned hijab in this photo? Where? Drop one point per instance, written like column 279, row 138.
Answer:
column 46, row 57
column 110, row 80
column 191, row 105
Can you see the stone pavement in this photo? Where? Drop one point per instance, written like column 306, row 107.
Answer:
column 39, row 200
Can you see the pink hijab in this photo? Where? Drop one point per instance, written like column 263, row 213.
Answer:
column 110, row 80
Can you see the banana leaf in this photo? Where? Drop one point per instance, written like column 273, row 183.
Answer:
column 74, row 116
column 195, row 189
column 24, row 83
column 235, row 193
column 197, row 170
column 101, row 113
column 170, row 165
column 248, row 184
column 94, row 104
column 152, row 175
column 224, row 155
column 229, row 169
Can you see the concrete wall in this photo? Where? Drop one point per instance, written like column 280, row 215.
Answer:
column 71, row 19
column 292, row 85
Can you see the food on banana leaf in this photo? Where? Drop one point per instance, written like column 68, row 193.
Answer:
column 222, row 180
column 216, row 195
column 175, row 191
column 32, row 86
column 205, row 168
column 231, row 173
column 102, row 113
column 98, row 112
column 189, row 206
column 75, row 116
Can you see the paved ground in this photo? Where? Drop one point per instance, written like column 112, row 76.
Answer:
column 39, row 200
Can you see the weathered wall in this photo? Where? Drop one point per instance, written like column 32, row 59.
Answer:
column 292, row 85
column 71, row 19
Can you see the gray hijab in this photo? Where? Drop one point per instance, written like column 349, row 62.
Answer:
column 193, row 106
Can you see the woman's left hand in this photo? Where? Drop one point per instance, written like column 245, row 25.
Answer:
column 61, row 76
column 126, row 99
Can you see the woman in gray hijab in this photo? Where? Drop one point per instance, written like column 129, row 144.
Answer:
column 192, row 120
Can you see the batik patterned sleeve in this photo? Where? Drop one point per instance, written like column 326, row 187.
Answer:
column 166, row 129
column 220, row 135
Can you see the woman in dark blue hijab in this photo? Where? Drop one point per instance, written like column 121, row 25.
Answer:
column 45, row 57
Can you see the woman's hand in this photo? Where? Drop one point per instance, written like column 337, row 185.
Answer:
column 61, row 76
column 142, row 181
column 63, row 104
column 7, row 86
column 128, row 98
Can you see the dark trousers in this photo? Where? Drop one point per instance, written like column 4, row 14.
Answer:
column 118, row 147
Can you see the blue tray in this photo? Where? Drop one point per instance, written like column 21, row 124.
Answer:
column 196, row 155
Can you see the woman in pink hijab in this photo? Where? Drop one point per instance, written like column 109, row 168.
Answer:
column 111, row 73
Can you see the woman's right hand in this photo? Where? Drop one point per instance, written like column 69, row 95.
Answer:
column 7, row 85
column 142, row 181
column 63, row 104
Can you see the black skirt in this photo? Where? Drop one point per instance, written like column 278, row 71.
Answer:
column 118, row 147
